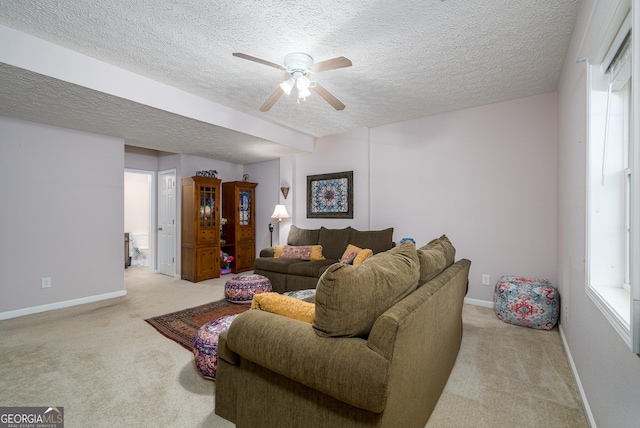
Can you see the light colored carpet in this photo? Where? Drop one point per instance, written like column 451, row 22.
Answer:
column 107, row 367
column 508, row 376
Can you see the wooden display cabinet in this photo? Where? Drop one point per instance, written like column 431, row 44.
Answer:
column 200, row 256
column 238, row 207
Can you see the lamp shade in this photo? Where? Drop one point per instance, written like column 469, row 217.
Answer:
column 303, row 93
column 280, row 212
column 287, row 86
column 303, row 83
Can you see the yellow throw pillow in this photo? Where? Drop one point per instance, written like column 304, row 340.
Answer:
column 362, row 256
column 316, row 252
column 348, row 257
column 289, row 307
column 277, row 251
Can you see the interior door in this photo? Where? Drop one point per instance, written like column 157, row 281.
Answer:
column 167, row 222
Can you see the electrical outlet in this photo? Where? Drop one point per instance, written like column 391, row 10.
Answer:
column 486, row 280
column 46, row 282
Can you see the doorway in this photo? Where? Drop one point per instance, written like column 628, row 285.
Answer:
column 138, row 217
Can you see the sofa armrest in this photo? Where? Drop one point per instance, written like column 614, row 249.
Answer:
column 344, row 368
column 223, row 350
column 267, row 252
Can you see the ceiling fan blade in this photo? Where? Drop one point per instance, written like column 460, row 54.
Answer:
column 272, row 99
column 330, row 64
column 328, row 97
column 261, row 61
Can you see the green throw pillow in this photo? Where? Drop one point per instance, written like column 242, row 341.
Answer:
column 349, row 299
column 432, row 262
column 447, row 247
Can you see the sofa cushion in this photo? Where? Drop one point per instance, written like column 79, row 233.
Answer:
column 447, row 247
column 432, row 262
column 349, row 299
column 270, row 264
column 376, row 240
column 312, row 268
column 334, row 241
column 289, row 307
column 298, row 236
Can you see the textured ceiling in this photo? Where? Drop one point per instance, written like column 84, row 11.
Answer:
column 411, row 59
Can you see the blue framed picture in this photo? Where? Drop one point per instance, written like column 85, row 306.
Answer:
column 330, row 195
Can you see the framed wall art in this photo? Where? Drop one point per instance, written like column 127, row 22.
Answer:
column 330, row 195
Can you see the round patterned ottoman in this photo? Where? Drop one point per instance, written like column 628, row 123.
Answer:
column 527, row 302
column 242, row 288
column 205, row 345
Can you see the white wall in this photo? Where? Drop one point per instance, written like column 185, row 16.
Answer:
column 336, row 153
column 62, row 216
column 608, row 371
column 267, row 175
column 140, row 158
column 485, row 177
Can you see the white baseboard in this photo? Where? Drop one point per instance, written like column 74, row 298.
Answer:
column 60, row 305
column 476, row 302
column 585, row 403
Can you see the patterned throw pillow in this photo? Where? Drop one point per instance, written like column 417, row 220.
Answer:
column 349, row 255
column 302, row 252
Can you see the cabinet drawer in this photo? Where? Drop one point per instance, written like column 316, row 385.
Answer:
column 208, row 235
column 245, row 233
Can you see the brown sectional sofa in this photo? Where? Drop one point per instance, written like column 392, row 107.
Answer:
column 383, row 341
column 294, row 274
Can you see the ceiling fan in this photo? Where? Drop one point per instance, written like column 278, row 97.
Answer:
column 298, row 67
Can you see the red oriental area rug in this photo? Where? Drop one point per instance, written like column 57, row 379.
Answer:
column 181, row 326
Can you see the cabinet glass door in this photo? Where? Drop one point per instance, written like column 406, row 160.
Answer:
column 245, row 207
column 207, row 206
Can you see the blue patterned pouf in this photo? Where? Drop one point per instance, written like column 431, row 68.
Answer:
column 205, row 345
column 526, row 302
column 300, row 294
column 242, row 288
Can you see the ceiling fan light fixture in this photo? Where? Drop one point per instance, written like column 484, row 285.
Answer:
column 303, row 83
column 287, row 86
column 303, row 93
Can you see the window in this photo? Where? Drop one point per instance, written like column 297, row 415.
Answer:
column 611, row 192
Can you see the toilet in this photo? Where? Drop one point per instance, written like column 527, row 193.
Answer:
column 140, row 246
